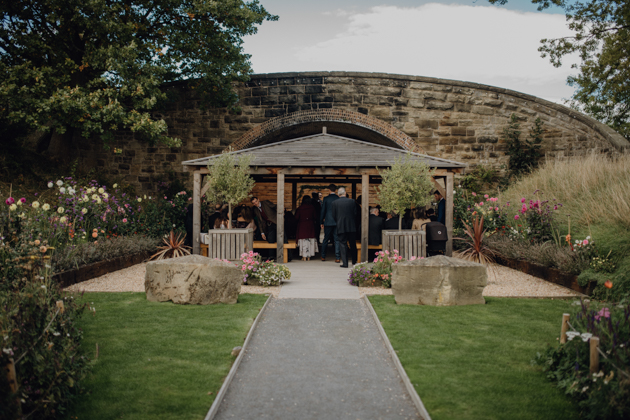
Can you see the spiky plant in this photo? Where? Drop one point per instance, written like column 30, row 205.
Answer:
column 174, row 248
column 475, row 248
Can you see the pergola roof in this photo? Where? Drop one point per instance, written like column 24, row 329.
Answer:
column 327, row 150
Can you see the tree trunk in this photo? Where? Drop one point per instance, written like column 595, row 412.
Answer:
column 400, row 221
column 60, row 146
column 229, row 215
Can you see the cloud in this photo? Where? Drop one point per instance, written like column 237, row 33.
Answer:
column 483, row 44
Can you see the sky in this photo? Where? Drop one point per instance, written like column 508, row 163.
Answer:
column 467, row 40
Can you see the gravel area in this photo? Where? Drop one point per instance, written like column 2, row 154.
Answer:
column 502, row 282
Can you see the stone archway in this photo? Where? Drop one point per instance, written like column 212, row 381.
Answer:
column 375, row 129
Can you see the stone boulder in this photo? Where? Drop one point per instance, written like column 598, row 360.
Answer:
column 192, row 279
column 439, row 281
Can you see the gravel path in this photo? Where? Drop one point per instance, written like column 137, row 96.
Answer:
column 502, row 282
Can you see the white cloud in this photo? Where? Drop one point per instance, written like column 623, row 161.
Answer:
column 483, row 44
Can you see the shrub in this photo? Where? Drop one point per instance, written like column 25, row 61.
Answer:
column 382, row 268
column 604, row 394
column 523, row 156
column 267, row 273
column 361, row 274
column 38, row 333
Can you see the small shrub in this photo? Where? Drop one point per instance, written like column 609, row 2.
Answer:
column 523, row 156
column 382, row 268
column 267, row 273
column 604, row 394
column 361, row 274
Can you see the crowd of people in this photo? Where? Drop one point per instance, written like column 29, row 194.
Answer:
column 336, row 214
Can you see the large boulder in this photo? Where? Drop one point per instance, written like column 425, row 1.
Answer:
column 192, row 279
column 439, row 281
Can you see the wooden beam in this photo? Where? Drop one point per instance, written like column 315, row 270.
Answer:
column 205, row 187
column 449, row 213
column 196, row 212
column 365, row 215
column 264, row 170
column 280, row 217
column 439, row 187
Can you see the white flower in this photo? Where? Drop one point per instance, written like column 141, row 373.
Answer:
column 94, row 197
column 56, row 334
column 145, row 197
column 59, row 183
column 105, row 195
column 35, row 204
column 115, row 185
column 22, row 215
column 586, row 336
column 71, row 191
column 13, row 207
column 7, row 351
column 46, row 207
column 43, row 286
column 63, row 219
column 50, row 184
column 62, row 190
column 60, row 210
column 572, row 334
column 139, row 199
column 98, row 200
column 84, row 210
column 19, row 202
column 101, row 191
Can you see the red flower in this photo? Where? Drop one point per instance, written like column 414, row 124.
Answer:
column 608, row 284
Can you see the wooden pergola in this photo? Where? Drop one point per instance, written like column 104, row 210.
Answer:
column 324, row 158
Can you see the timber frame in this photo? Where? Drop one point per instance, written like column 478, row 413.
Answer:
column 357, row 168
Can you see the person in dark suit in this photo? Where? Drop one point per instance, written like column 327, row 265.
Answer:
column 266, row 216
column 392, row 221
column 431, row 215
column 318, row 211
column 441, row 207
column 344, row 213
column 375, row 231
column 327, row 222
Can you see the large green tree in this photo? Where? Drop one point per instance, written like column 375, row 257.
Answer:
column 602, row 39
column 98, row 66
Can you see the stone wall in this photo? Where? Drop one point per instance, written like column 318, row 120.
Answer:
column 444, row 118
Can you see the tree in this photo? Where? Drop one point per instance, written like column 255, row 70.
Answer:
column 602, row 39
column 524, row 156
column 99, row 66
column 407, row 183
column 229, row 181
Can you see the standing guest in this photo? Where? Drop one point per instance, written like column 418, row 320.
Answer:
column 305, row 216
column 221, row 222
column 290, row 224
column 327, row 222
column 419, row 219
column 357, row 219
column 441, row 211
column 392, row 221
column 431, row 215
column 267, row 218
column 213, row 216
column 376, row 223
column 318, row 211
column 344, row 212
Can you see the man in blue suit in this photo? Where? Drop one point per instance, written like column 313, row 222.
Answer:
column 441, row 207
column 327, row 223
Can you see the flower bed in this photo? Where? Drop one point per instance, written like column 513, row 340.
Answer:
column 377, row 273
column 257, row 272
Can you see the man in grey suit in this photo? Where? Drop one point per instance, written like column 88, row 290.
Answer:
column 344, row 211
column 328, row 223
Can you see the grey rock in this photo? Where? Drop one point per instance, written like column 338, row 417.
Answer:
column 439, row 281
column 192, row 279
column 236, row 351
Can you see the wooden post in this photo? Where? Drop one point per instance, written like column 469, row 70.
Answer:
column 196, row 212
column 449, row 213
column 564, row 328
column 594, row 345
column 280, row 218
column 365, row 215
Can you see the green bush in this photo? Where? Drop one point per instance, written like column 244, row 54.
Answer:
column 605, row 394
column 38, row 333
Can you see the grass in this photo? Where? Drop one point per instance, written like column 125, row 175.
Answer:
column 473, row 362
column 158, row 360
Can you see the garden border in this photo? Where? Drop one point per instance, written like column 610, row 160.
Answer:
column 401, row 370
column 99, row 268
column 214, row 408
column 549, row 274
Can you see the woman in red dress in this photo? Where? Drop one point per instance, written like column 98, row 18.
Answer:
column 306, row 219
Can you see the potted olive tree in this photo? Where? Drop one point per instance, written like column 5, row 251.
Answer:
column 405, row 184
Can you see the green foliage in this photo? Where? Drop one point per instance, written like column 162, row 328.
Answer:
column 38, row 329
column 523, row 156
column 474, row 362
column 406, row 184
column 602, row 40
column 229, row 180
column 98, row 66
column 159, row 360
column 605, row 394
column 481, row 178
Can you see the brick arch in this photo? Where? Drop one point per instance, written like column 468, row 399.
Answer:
column 253, row 136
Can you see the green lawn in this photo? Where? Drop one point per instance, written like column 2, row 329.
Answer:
column 473, row 362
column 159, row 360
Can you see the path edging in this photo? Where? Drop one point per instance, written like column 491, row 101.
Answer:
column 214, row 408
column 401, row 371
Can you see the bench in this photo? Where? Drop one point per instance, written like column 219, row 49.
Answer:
column 379, row 247
column 266, row 245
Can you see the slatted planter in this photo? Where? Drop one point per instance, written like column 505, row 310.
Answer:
column 408, row 242
column 229, row 244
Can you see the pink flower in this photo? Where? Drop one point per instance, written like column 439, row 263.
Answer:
column 481, row 203
column 23, row 200
column 516, row 217
column 124, row 220
column 585, row 242
column 555, row 207
column 165, row 198
column 603, row 313
column 9, row 201
column 474, row 194
column 496, row 209
column 523, row 200
column 486, row 196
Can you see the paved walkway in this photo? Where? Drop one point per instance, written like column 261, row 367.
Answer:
column 316, row 359
column 316, row 353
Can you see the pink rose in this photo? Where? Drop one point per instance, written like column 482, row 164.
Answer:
column 124, row 220
column 523, row 200
column 486, row 196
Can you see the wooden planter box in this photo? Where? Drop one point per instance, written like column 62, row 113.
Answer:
column 552, row 275
column 97, row 269
column 229, row 244
column 408, row 242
